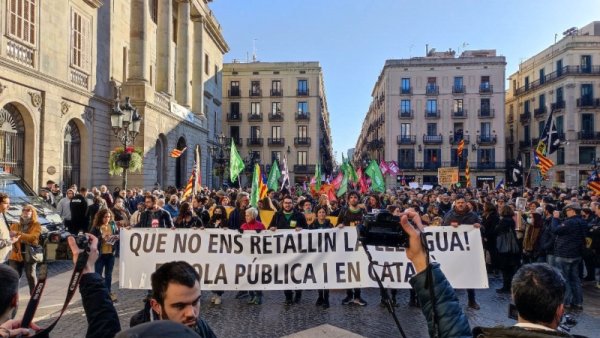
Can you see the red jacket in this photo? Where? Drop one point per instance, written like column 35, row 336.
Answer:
column 254, row 225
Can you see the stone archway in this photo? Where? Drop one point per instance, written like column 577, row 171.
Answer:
column 12, row 140
column 160, row 151
column 181, row 164
column 71, row 156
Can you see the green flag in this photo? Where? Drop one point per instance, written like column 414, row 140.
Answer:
column 352, row 173
column 236, row 164
column 377, row 182
column 343, row 187
column 255, row 194
column 274, row 175
column 318, row 177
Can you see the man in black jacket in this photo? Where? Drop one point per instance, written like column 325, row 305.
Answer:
column 288, row 218
column 458, row 215
column 154, row 216
column 78, row 211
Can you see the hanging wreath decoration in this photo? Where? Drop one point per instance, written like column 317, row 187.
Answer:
column 119, row 157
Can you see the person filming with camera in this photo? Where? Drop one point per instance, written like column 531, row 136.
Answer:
column 538, row 292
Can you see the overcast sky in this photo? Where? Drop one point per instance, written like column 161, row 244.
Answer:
column 353, row 38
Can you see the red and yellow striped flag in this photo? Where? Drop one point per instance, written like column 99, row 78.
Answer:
column 461, row 146
column 175, row 153
column 468, row 174
column 544, row 163
column 594, row 182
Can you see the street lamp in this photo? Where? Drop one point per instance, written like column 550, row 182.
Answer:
column 220, row 155
column 125, row 122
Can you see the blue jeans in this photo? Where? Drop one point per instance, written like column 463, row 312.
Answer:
column 106, row 262
column 570, row 271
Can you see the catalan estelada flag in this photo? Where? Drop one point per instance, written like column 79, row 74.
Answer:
column 175, row 153
column 593, row 182
column 542, row 162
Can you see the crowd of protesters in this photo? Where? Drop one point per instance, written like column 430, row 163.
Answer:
column 518, row 226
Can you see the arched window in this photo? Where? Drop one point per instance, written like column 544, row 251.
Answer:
column 12, row 140
column 181, row 165
column 71, row 156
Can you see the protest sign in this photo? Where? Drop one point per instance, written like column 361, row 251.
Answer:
column 266, row 216
column 447, row 176
column 333, row 220
column 288, row 259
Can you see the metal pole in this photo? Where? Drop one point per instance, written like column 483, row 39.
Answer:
column 126, row 139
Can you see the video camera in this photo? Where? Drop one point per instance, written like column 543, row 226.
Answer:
column 381, row 228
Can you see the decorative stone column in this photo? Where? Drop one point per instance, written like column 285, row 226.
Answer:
column 184, row 55
column 164, row 70
column 198, row 67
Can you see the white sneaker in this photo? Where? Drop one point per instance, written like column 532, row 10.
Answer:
column 213, row 298
column 217, row 300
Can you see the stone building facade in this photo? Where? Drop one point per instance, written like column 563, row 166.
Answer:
column 62, row 65
column 277, row 109
column 564, row 79
column 421, row 107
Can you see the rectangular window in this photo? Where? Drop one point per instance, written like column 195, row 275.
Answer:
column 432, row 129
column 302, row 87
column 206, row 64
column 587, row 123
column 302, row 131
column 526, row 134
column 486, row 129
column 485, row 107
column 276, row 132
column 302, row 107
column 276, row 155
column 526, row 82
column 405, row 86
column 485, row 83
column 255, row 108
column 455, row 160
column 276, row 88
column 431, row 106
column 234, row 109
column 302, row 158
column 542, row 101
column 254, row 132
column 587, row 155
column 254, row 88
column 559, row 68
column 587, row 91
column 560, row 156
column 526, row 107
column 486, row 156
column 560, row 124
column 405, row 129
column 234, row 88
column 542, row 76
column 234, row 131
column 458, row 105
column 406, row 158
column 559, row 95
column 458, row 82
column 22, row 20
column 432, row 156
column 541, row 125
column 79, row 41
column 405, row 106
column 276, row 108
column 586, row 63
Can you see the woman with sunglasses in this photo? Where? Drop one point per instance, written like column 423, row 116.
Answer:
column 28, row 231
column 104, row 228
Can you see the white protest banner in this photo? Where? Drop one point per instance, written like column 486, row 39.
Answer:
column 307, row 259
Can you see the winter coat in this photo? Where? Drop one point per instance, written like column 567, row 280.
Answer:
column 570, row 236
column 100, row 312
column 452, row 322
column 31, row 237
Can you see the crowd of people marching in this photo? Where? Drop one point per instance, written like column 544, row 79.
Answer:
column 518, row 226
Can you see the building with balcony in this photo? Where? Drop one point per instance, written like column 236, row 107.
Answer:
column 279, row 109
column 563, row 79
column 423, row 106
column 64, row 63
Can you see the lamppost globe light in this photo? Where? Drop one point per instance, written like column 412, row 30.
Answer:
column 116, row 117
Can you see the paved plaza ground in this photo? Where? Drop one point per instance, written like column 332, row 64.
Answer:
column 234, row 318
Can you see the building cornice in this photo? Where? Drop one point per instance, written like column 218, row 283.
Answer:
column 94, row 3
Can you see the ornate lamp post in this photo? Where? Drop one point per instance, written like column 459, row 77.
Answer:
column 220, row 155
column 125, row 121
